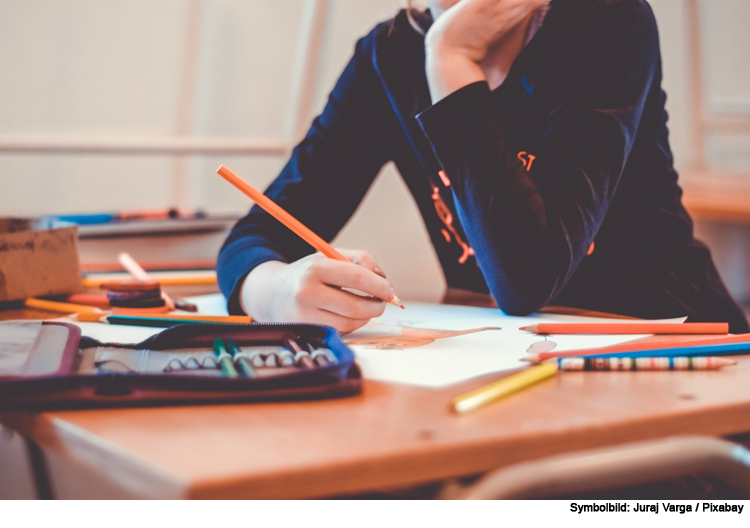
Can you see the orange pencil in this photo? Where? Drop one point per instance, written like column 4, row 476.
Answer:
column 288, row 220
column 624, row 328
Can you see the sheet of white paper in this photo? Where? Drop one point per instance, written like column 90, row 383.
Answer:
column 419, row 345
column 440, row 359
column 396, row 348
column 214, row 304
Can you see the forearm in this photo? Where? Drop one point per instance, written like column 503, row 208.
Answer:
column 255, row 292
column 475, row 40
column 529, row 225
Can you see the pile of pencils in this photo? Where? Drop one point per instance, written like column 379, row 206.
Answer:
column 695, row 346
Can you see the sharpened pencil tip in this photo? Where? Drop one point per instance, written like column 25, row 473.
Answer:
column 395, row 300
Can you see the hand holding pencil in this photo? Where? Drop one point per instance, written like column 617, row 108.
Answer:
column 317, row 288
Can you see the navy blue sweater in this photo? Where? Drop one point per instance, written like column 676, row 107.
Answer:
column 557, row 187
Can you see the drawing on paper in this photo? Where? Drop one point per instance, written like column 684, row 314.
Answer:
column 410, row 337
column 539, row 347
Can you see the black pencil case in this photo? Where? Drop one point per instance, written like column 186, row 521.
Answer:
column 50, row 366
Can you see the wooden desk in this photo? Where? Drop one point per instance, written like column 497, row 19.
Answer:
column 390, row 436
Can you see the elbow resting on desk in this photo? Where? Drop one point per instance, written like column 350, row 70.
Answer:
column 522, row 296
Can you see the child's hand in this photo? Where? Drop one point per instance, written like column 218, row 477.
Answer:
column 310, row 290
column 459, row 40
column 471, row 27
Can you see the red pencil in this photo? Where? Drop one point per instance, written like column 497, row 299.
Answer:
column 625, row 328
column 638, row 346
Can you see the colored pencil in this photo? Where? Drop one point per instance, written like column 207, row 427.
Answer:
column 196, row 278
column 738, row 343
column 502, row 388
column 302, row 358
column 165, row 321
column 101, row 317
column 625, row 328
column 108, row 218
column 644, row 363
column 61, row 307
column 288, row 220
column 225, row 360
column 152, row 322
column 687, row 351
column 89, row 299
column 245, row 367
column 156, row 265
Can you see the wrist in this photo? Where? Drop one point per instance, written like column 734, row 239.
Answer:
column 448, row 70
column 439, row 50
column 254, row 292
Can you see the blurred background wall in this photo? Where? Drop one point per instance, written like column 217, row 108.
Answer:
column 227, row 72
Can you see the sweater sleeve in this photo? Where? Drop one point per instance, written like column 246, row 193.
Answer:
column 531, row 221
column 323, row 182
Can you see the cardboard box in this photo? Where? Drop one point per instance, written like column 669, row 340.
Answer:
column 38, row 257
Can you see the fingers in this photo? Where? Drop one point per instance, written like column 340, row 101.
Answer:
column 364, row 259
column 348, row 275
column 343, row 324
column 348, row 304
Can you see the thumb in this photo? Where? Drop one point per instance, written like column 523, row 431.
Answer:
column 364, row 259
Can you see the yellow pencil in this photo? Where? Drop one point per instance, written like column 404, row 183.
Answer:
column 504, row 387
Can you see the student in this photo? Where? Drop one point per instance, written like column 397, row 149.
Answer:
column 533, row 138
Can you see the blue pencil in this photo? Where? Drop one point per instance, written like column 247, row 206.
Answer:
column 719, row 349
column 685, row 351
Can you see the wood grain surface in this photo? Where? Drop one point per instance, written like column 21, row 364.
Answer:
column 389, row 436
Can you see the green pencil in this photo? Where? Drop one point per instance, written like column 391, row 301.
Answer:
column 225, row 360
column 131, row 320
column 245, row 367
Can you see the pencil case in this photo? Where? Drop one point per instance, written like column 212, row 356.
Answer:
column 49, row 365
